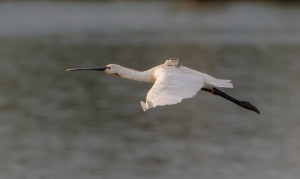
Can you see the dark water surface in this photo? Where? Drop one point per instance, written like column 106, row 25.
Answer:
column 55, row 124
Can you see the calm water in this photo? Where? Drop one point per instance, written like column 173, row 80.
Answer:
column 55, row 124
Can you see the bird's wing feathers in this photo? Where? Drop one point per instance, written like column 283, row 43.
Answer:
column 172, row 86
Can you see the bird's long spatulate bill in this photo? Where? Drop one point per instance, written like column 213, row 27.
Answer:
column 86, row 69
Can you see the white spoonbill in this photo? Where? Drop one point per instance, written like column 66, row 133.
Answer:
column 172, row 83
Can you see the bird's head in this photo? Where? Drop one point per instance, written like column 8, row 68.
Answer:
column 111, row 69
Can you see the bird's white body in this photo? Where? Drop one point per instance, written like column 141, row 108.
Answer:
column 172, row 82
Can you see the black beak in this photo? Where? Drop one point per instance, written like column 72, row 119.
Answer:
column 86, row 69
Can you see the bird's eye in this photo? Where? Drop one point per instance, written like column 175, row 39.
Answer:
column 108, row 68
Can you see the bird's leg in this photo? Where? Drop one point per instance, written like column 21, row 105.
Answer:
column 243, row 104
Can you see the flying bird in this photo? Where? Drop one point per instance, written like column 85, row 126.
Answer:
column 172, row 82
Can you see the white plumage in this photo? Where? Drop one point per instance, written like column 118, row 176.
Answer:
column 172, row 82
column 175, row 82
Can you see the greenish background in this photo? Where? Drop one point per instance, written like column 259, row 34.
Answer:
column 55, row 124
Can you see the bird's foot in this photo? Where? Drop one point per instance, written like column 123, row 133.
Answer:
column 172, row 62
column 248, row 106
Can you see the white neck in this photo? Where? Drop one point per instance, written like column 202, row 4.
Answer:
column 143, row 76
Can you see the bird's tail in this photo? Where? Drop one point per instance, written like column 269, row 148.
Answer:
column 221, row 83
column 217, row 82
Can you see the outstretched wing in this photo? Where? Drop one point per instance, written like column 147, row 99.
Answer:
column 172, row 86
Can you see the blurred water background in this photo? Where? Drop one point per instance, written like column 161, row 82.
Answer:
column 55, row 124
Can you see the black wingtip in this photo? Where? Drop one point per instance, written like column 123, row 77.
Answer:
column 249, row 106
